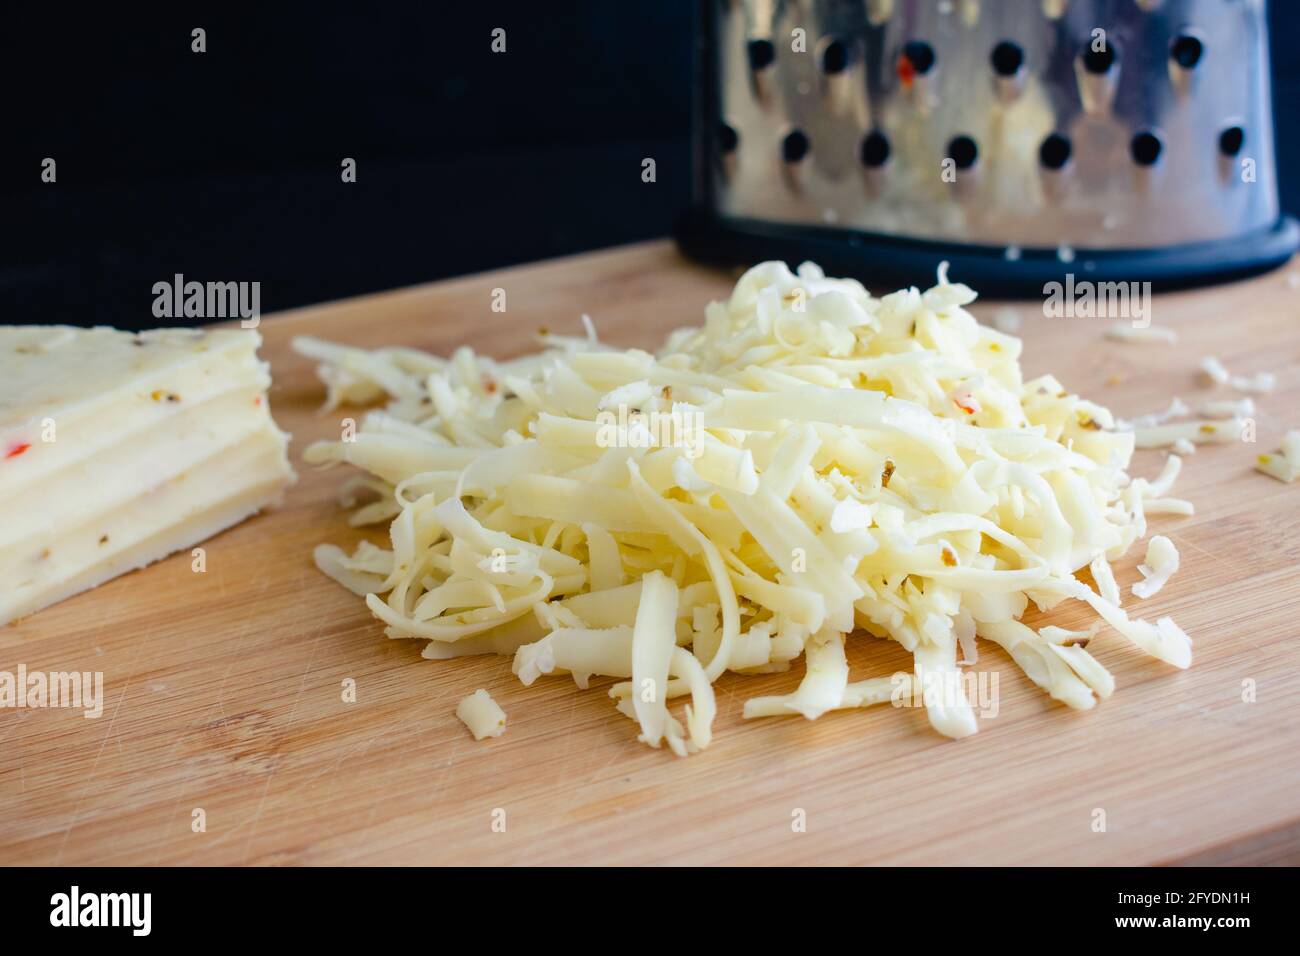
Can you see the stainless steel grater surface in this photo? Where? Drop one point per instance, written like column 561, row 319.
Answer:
column 1021, row 138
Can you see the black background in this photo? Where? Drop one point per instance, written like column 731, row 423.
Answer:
column 226, row 165
column 326, row 909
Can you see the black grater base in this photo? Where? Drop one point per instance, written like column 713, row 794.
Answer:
column 885, row 263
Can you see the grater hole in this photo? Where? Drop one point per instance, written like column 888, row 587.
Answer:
column 835, row 58
column 1099, row 61
column 963, row 151
column 1186, row 50
column 920, row 55
column 1231, row 140
column 1055, row 151
column 875, row 149
column 728, row 138
column 1007, row 58
column 795, row 146
column 1146, row 148
column 761, row 54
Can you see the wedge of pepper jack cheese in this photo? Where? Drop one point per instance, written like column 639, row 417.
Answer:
column 117, row 449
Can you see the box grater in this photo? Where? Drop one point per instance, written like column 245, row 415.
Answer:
column 1019, row 139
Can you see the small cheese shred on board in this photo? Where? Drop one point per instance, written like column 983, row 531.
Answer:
column 1127, row 332
column 1217, row 374
column 1285, row 465
column 811, row 467
column 482, row 715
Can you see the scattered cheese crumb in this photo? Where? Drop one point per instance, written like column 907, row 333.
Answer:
column 1214, row 370
column 1259, row 382
column 1161, row 563
column 1200, row 431
column 1286, row 465
column 1127, row 332
column 1221, row 421
column 1218, row 374
column 1177, row 408
column 1163, row 482
column 480, row 713
column 1239, row 408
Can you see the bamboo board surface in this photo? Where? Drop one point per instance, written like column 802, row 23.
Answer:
column 223, row 690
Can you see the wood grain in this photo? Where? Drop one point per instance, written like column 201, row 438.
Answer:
column 223, row 689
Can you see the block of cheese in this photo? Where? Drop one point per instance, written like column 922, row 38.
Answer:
column 117, row 449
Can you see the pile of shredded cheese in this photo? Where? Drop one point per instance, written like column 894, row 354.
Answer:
column 812, row 463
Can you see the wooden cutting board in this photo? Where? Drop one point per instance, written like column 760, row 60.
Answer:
column 224, row 689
